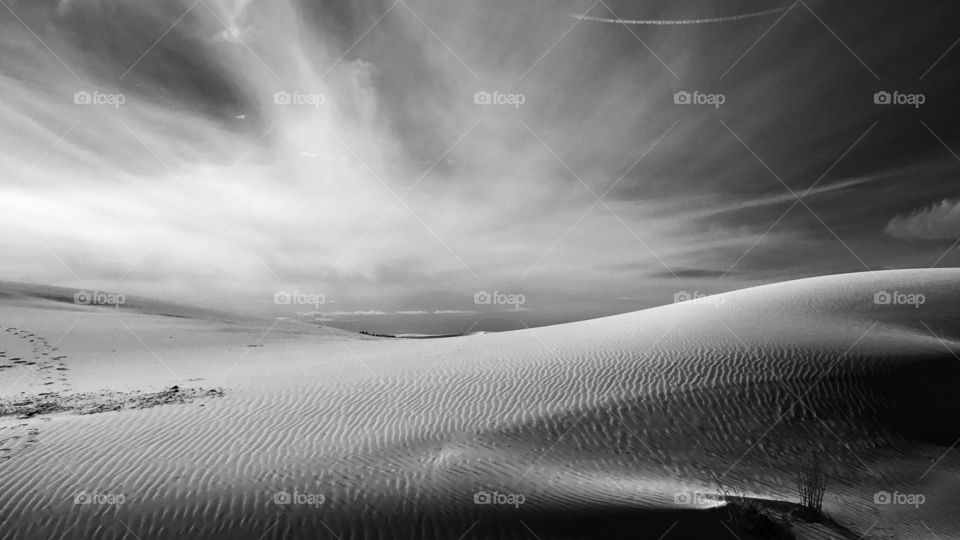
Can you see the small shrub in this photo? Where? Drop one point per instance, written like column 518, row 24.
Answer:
column 746, row 513
column 812, row 484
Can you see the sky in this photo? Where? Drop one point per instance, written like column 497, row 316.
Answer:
column 382, row 165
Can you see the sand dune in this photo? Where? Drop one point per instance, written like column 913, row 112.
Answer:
column 583, row 430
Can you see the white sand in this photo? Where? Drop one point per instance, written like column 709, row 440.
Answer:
column 397, row 435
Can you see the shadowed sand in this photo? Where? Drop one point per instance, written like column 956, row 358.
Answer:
column 600, row 425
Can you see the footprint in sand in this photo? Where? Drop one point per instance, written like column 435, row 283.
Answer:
column 52, row 368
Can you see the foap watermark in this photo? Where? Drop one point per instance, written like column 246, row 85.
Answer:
column 97, row 298
column 698, row 98
column 299, row 98
column 695, row 498
column 99, row 498
column 897, row 298
column 497, row 298
column 903, row 499
column 283, row 498
column 297, row 298
column 715, row 300
column 497, row 498
column 898, row 98
column 498, row 98
column 83, row 97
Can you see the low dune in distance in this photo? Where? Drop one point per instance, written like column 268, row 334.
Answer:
column 133, row 422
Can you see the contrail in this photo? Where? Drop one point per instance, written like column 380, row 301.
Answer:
column 685, row 21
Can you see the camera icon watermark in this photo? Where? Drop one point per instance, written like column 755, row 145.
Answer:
column 98, row 498
column 497, row 498
column 897, row 298
column 715, row 300
column 497, row 298
column 483, row 97
column 97, row 298
column 695, row 498
column 897, row 98
column 699, row 98
column 314, row 100
column 297, row 298
column 84, row 97
column 904, row 499
column 284, row 498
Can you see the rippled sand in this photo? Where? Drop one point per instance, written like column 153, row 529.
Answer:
column 585, row 430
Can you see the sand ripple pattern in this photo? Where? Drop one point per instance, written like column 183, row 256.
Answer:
column 398, row 437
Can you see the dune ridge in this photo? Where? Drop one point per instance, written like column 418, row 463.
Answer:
column 597, row 421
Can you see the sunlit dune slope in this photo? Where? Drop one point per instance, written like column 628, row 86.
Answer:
column 588, row 421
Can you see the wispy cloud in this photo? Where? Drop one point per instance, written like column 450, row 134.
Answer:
column 337, row 147
column 683, row 22
column 940, row 221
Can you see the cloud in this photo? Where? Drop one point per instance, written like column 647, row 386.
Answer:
column 366, row 313
column 333, row 315
column 682, row 22
column 783, row 198
column 940, row 221
column 201, row 187
column 694, row 273
column 170, row 194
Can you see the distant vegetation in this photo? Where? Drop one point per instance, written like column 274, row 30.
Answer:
column 364, row 332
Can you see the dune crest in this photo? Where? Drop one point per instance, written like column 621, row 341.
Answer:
column 616, row 417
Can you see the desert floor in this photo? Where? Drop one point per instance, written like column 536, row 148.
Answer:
column 131, row 422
